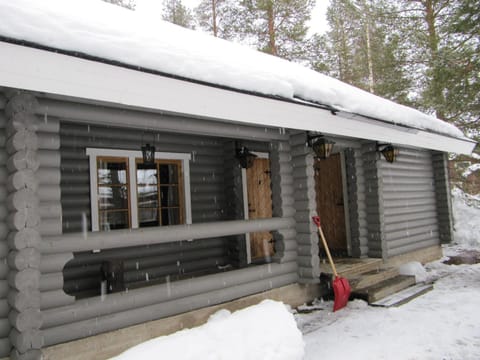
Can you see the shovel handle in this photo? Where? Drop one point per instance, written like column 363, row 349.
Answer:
column 316, row 220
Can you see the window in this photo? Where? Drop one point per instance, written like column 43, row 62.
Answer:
column 130, row 194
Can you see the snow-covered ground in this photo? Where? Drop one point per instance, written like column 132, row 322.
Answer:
column 442, row 324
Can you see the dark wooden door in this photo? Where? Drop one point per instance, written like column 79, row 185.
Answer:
column 330, row 203
column 260, row 206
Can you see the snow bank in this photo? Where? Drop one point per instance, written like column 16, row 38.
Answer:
column 414, row 268
column 265, row 331
column 110, row 32
column 466, row 219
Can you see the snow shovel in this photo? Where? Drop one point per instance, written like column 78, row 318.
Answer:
column 341, row 287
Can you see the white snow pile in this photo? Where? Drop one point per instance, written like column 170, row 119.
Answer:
column 466, row 215
column 414, row 268
column 264, row 331
column 99, row 29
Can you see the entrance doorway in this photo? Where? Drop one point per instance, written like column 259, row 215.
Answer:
column 331, row 203
column 258, row 205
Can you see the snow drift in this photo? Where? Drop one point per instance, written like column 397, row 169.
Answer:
column 265, row 331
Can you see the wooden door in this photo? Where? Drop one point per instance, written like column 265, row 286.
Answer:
column 330, row 203
column 259, row 195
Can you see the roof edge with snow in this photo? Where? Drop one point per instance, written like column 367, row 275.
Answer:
column 66, row 75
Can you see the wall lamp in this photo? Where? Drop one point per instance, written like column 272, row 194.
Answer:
column 388, row 151
column 321, row 146
column 244, row 156
column 148, row 154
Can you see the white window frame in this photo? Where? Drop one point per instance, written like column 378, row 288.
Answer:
column 132, row 155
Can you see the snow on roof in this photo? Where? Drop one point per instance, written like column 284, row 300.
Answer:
column 99, row 29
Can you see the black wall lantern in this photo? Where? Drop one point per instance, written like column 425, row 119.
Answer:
column 148, row 154
column 388, row 151
column 321, row 146
column 245, row 157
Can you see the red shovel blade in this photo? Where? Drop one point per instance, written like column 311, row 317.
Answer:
column 341, row 291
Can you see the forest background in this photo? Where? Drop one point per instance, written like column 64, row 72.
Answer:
column 420, row 53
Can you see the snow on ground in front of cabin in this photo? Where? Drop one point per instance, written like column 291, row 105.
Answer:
column 103, row 30
column 442, row 324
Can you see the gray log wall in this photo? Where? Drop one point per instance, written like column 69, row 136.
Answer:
column 357, row 209
column 24, row 237
column 85, row 317
column 208, row 194
column 306, row 207
column 5, row 327
column 409, row 202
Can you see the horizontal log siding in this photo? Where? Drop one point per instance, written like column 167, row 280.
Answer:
column 356, row 202
column 5, row 345
column 409, row 202
column 207, row 193
column 373, row 201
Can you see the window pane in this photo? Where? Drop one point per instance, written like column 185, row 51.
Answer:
column 148, row 217
column 169, row 195
column 147, row 196
column 170, row 216
column 146, row 174
column 112, row 172
column 168, row 174
column 111, row 220
column 112, row 197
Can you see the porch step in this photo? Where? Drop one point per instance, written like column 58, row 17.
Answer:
column 404, row 296
column 384, row 288
column 348, row 267
column 370, row 278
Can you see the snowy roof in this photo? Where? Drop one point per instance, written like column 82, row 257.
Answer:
column 103, row 31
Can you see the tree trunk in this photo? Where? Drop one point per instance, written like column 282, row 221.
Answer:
column 272, row 46
column 214, row 18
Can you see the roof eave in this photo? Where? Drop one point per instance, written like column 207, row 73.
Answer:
column 66, row 75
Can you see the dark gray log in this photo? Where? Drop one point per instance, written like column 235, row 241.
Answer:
column 24, row 238
column 22, row 140
column 21, row 199
column 29, row 355
column 4, row 308
column 27, row 299
column 55, row 299
column 3, row 269
column 147, row 236
column 136, row 119
column 27, row 340
column 5, row 347
column 24, row 280
column 25, row 320
column 5, row 327
column 23, row 159
column 111, row 322
column 21, row 219
column 23, row 259
column 4, row 289
column 22, row 179
column 94, row 307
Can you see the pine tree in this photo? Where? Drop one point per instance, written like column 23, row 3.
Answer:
column 362, row 49
column 218, row 17
column 175, row 12
column 129, row 4
column 275, row 27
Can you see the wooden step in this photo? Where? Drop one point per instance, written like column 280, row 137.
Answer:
column 370, row 278
column 347, row 267
column 404, row 296
column 385, row 288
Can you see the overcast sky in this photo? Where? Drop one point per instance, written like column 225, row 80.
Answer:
column 318, row 23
